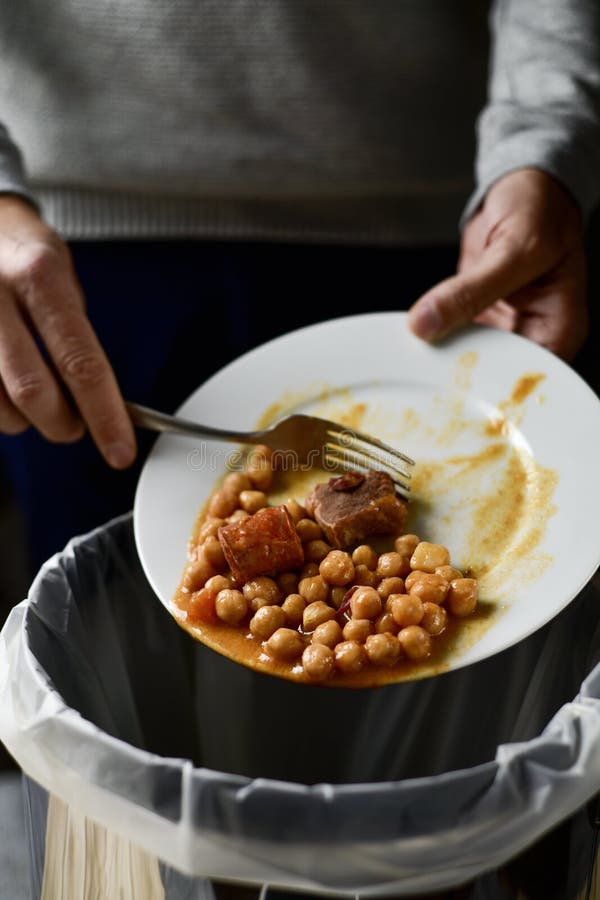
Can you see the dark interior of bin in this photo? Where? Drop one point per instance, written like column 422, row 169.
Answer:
column 116, row 656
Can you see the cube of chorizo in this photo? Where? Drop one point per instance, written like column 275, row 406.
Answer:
column 262, row 544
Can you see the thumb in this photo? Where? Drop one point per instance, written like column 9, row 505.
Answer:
column 502, row 268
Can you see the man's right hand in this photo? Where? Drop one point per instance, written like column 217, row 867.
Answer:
column 41, row 302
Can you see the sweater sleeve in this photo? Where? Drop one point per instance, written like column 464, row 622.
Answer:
column 543, row 108
column 12, row 173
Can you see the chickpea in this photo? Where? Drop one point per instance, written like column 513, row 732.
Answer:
column 415, row 642
column 434, row 618
column 236, row 482
column 260, row 469
column 427, row 557
column 448, row 572
column 296, row 511
column 193, row 549
column 266, row 621
column 200, row 606
column 260, row 453
column 261, row 476
column 328, row 633
column 218, row 583
column 182, row 597
column 315, row 551
column 252, row 501
column 258, row 602
column 357, row 630
column 213, row 553
column 412, row 579
column 238, row 514
column 315, row 614
column 336, row 596
column 231, row 606
column 293, row 607
column 406, row 609
column 288, row 583
column 462, row 596
column 308, row 530
column 285, row 644
column 210, row 528
column 197, row 573
column 431, row 588
column 337, row 568
column 390, row 565
column 365, row 576
column 406, row 543
column 365, row 603
column 350, row 656
column 386, row 623
column 387, row 603
column 262, row 587
column 313, row 589
column 318, row 661
column 390, row 586
column 309, row 570
column 365, row 556
column 383, row 649
column 222, row 504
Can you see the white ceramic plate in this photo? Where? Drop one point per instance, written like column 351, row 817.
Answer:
column 505, row 436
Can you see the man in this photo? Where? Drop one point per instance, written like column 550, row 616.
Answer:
column 343, row 130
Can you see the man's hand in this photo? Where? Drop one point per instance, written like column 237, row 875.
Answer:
column 522, row 268
column 41, row 306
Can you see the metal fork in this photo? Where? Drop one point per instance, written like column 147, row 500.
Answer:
column 297, row 440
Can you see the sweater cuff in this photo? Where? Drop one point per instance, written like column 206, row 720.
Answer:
column 505, row 146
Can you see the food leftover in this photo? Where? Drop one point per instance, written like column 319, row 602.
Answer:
column 328, row 591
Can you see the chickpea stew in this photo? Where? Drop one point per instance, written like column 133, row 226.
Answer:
column 331, row 591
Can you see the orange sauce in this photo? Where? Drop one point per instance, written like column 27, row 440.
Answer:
column 502, row 496
column 241, row 646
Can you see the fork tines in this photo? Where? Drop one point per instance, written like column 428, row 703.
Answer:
column 352, row 449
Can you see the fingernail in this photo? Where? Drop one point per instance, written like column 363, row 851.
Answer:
column 425, row 320
column 120, row 455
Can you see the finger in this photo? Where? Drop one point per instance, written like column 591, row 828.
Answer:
column 541, row 330
column 32, row 393
column 54, row 301
column 473, row 241
column 11, row 420
column 85, row 369
column 501, row 270
column 554, row 313
column 500, row 315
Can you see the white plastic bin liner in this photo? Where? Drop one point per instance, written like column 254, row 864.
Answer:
column 225, row 773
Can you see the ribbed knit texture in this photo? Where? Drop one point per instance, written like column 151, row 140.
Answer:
column 410, row 220
column 298, row 119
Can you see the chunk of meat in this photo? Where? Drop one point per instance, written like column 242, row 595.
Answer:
column 262, row 544
column 367, row 506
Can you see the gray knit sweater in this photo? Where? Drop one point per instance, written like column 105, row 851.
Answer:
column 291, row 119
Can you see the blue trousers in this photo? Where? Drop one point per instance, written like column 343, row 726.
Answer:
column 170, row 314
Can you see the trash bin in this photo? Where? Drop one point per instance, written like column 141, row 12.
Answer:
column 169, row 767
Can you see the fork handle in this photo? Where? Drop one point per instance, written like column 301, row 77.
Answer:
column 144, row 417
